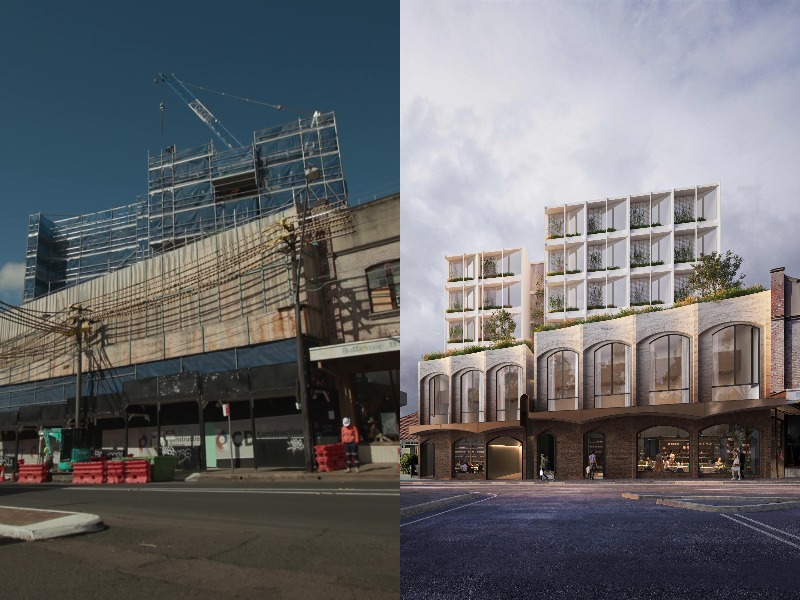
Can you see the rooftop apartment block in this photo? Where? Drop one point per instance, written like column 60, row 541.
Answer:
column 479, row 284
column 605, row 255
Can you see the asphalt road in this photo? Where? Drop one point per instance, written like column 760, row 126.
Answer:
column 586, row 541
column 216, row 540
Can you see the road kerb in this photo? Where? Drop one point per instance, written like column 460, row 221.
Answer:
column 51, row 527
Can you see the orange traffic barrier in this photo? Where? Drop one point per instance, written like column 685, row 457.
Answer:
column 33, row 473
column 137, row 471
column 89, row 472
column 115, row 472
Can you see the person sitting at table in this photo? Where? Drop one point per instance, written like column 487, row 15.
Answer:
column 464, row 467
column 719, row 464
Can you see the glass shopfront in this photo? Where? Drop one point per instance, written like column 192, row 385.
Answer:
column 469, row 456
column 716, row 446
column 663, row 451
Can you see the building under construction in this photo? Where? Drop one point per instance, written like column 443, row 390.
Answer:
column 184, row 301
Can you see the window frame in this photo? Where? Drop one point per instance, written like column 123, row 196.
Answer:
column 432, row 414
column 390, row 270
column 500, row 377
column 481, row 396
column 685, row 364
column 576, row 358
column 626, row 385
column 755, row 361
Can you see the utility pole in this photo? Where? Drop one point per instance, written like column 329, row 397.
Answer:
column 311, row 173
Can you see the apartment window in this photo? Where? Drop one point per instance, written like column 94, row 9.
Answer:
column 439, row 400
column 736, row 361
column 612, row 376
column 669, row 365
column 508, row 393
column 383, row 283
column 562, row 380
column 471, row 397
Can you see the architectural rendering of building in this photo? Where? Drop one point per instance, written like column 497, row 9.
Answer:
column 606, row 255
column 664, row 393
column 481, row 283
column 178, row 304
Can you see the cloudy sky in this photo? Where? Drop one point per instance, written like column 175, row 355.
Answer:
column 506, row 107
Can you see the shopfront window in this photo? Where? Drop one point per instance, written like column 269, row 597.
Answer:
column 663, row 451
column 669, row 365
column 508, row 393
column 471, row 397
column 383, row 283
column 716, row 446
column 562, row 380
column 612, row 386
column 469, row 456
column 736, row 363
column 378, row 405
column 439, row 400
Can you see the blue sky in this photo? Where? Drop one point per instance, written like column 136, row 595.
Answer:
column 80, row 109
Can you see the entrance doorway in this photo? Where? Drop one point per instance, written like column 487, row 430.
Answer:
column 427, row 460
column 595, row 442
column 504, row 460
column 546, row 455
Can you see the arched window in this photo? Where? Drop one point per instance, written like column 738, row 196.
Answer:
column 469, row 456
column 472, row 403
column 736, row 363
column 562, row 380
column 439, row 400
column 669, row 366
column 612, row 381
column 508, row 393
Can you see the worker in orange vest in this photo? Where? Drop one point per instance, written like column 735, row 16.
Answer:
column 350, row 438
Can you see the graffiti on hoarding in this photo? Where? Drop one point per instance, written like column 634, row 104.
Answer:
column 295, row 445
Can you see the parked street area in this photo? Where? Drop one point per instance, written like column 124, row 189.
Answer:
column 601, row 540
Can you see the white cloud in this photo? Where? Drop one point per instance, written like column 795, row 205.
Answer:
column 507, row 107
column 12, row 280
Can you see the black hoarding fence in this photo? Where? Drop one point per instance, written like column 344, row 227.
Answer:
column 227, row 386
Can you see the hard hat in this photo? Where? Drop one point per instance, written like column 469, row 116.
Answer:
column 346, row 422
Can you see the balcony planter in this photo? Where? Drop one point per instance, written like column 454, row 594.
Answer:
column 571, row 308
column 574, row 234
column 612, row 268
column 454, row 279
column 573, row 272
column 552, row 273
column 635, row 265
column 595, row 307
column 454, row 310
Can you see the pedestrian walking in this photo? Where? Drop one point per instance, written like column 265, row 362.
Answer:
column 592, row 464
column 350, row 438
column 736, row 468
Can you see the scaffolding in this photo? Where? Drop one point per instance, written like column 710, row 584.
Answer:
column 191, row 194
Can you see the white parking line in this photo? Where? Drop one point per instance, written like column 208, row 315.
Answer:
column 761, row 531
column 447, row 511
column 786, row 533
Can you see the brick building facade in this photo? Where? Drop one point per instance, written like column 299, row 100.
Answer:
column 659, row 394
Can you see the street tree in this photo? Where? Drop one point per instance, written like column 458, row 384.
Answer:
column 715, row 273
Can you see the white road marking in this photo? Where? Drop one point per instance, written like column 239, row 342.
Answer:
column 321, row 492
column 761, row 531
column 447, row 511
column 786, row 533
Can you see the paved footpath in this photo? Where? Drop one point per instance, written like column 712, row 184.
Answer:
column 34, row 524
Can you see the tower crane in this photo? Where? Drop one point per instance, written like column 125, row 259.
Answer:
column 199, row 109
